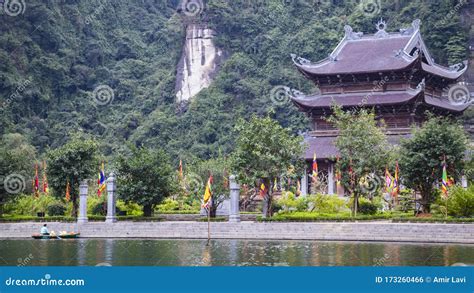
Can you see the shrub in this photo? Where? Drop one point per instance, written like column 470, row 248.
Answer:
column 28, row 205
column 328, row 204
column 56, row 210
column 460, row 202
column 93, row 202
column 168, row 204
column 287, row 201
column 132, row 209
column 406, row 201
column 367, row 207
column 100, row 209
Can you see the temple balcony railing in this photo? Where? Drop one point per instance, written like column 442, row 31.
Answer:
column 335, row 132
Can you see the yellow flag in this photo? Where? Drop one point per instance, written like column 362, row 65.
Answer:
column 208, row 191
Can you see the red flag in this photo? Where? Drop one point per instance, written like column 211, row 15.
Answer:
column 180, row 169
column 315, row 169
column 45, row 179
column 36, row 182
column 68, row 195
column 263, row 190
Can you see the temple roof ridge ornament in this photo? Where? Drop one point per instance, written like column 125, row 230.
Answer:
column 293, row 93
column 350, row 34
column 381, row 26
column 415, row 26
column 421, row 86
column 299, row 60
column 457, row 67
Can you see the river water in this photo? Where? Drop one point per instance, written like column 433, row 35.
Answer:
column 145, row 252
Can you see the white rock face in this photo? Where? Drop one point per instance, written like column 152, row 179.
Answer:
column 198, row 64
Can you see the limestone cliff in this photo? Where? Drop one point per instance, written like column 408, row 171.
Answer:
column 199, row 62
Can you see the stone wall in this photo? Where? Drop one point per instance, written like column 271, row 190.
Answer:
column 373, row 231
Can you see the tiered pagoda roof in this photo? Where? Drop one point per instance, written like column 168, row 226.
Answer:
column 361, row 59
column 381, row 52
column 377, row 99
column 394, row 73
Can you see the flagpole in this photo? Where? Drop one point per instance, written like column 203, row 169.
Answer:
column 208, row 225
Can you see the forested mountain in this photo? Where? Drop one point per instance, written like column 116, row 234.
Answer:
column 54, row 54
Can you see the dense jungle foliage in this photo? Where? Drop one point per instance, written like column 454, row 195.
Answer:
column 55, row 53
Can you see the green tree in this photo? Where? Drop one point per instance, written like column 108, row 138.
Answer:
column 146, row 178
column 264, row 151
column 16, row 166
column 422, row 156
column 364, row 150
column 74, row 162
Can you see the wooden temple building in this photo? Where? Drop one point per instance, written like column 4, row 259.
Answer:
column 392, row 73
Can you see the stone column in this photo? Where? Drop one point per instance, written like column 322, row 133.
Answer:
column 464, row 181
column 111, row 218
column 234, row 215
column 331, row 178
column 83, row 188
column 304, row 183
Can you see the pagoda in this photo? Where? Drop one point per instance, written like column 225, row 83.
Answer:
column 392, row 73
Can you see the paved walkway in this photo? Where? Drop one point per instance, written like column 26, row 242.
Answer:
column 366, row 231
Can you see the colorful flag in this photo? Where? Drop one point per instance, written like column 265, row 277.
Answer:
column 315, row 168
column 208, row 193
column 396, row 183
column 298, row 188
column 36, row 182
column 226, row 179
column 101, row 181
column 444, row 180
column 68, row 195
column 180, row 170
column 45, row 179
column 388, row 181
column 263, row 190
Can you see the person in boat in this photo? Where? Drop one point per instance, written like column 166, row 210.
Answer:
column 44, row 230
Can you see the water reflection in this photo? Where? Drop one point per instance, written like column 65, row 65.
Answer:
column 119, row 252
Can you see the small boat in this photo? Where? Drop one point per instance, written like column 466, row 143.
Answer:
column 54, row 236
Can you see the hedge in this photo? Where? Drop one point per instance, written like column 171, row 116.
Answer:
column 216, row 219
column 317, row 218
column 178, row 212
column 433, row 220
